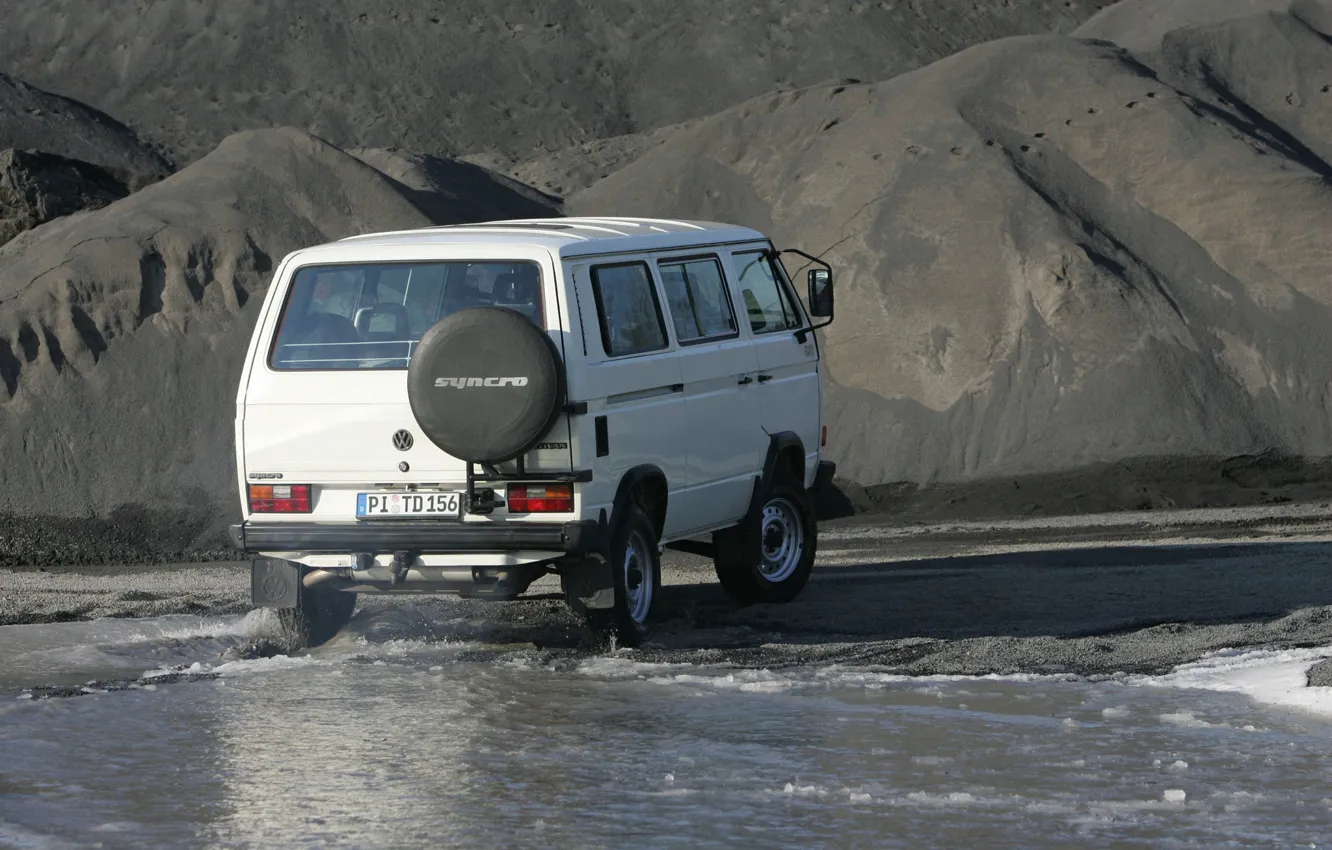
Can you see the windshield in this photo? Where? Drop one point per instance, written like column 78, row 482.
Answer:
column 372, row 316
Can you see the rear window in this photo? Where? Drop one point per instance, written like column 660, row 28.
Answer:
column 341, row 317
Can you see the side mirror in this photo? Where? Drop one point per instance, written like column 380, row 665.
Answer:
column 820, row 293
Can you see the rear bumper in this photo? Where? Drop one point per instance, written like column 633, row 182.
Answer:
column 574, row 538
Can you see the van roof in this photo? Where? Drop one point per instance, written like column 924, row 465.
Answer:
column 572, row 237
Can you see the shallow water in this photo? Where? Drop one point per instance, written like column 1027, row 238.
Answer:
column 390, row 736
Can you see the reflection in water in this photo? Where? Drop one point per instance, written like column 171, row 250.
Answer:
column 133, row 768
column 462, row 753
column 421, row 743
column 349, row 755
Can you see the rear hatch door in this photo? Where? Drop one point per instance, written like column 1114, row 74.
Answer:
column 329, row 406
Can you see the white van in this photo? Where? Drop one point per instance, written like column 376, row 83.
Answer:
column 465, row 409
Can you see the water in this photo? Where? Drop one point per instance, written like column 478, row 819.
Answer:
column 391, row 737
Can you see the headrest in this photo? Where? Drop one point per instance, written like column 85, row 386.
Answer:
column 518, row 287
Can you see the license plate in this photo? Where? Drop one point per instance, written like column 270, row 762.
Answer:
column 391, row 505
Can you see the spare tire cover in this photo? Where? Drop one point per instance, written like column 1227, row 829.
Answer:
column 485, row 384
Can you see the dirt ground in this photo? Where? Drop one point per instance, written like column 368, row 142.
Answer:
column 1096, row 594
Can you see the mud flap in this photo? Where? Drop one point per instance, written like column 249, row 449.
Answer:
column 826, row 470
column 589, row 585
column 274, row 583
column 740, row 543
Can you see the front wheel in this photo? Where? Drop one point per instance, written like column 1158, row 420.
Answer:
column 770, row 558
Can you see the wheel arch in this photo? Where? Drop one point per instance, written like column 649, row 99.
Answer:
column 645, row 486
column 738, row 549
column 785, row 450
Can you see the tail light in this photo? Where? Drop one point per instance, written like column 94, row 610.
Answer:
column 279, row 498
column 540, row 499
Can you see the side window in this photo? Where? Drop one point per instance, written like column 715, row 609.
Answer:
column 627, row 306
column 696, row 296
column 766, row 300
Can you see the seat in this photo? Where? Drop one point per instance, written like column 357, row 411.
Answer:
column 394, row 344
column 315, row 338
column 365, row 317
column 520, row 291
column 461, row 296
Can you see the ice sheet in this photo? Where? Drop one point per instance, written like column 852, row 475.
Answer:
column 1272, row 677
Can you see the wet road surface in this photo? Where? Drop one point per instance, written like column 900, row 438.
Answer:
column 1145, row 686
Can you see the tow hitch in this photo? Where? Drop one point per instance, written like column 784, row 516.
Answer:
column 398, row 569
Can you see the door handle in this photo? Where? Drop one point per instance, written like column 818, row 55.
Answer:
column 763, row 379
column 745, row 380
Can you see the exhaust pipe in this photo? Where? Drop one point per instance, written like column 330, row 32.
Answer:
column 400, row 572
column 317, row 577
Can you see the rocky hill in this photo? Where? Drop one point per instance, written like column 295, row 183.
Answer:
column 33, row 119
column 472, row 76
column 38, row 187
column 122, row 330
column 1055, row 253
column 1052, row 252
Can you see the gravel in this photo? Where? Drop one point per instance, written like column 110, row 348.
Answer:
column 1079, row 596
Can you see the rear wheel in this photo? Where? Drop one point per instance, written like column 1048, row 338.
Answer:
column 320, row 613
column 635, row 573
column 770, row 559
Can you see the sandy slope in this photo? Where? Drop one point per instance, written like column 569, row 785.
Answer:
column 453, row 77
column 1051, row 253
column 570, row 170
column 38, row 187
column 1141, row 25
column 453, row 191
column 31, row 118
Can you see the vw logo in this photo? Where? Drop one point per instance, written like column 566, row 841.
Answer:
column 402, row 440
column 275, row 585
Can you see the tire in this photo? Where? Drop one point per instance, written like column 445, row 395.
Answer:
column 636, row 571
column 320, row 613
column 485, row 384
column 771, row 558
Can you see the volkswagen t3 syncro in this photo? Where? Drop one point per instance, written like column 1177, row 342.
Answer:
column 465, row 409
